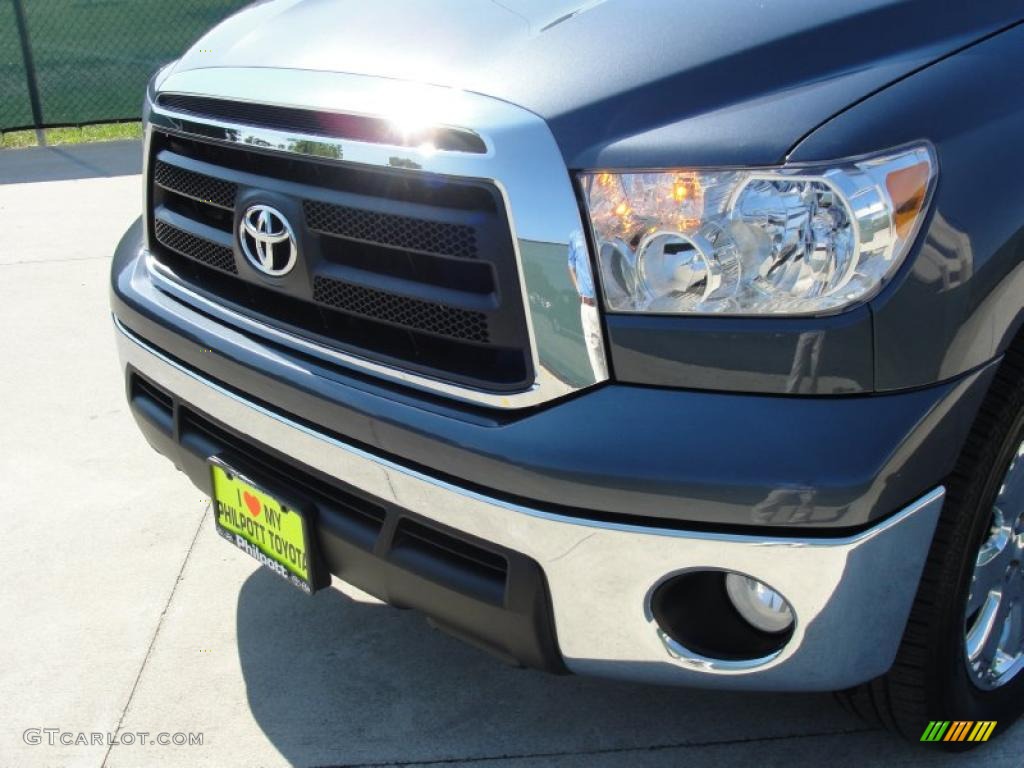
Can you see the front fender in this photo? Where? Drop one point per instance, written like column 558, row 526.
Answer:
column 957, row 302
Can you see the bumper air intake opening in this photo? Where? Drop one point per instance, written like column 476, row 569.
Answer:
column 152, row 403
column 448, row 560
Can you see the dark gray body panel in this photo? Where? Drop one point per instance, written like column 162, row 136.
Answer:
column 717, row 422
column 957, row 301
column 635, row 453
column 820, row 356
column 624, row 83
column 732, row 83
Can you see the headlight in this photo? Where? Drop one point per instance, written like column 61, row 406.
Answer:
column 790, row 240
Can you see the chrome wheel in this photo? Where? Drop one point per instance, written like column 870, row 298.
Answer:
column 994, row 626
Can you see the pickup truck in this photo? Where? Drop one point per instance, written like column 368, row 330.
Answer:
column 674, row 342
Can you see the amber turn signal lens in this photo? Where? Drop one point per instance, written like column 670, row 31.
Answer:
column 908, row 188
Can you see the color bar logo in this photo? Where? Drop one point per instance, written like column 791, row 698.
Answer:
column 959, row 730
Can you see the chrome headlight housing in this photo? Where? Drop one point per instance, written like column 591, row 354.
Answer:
column 794, row 240
column 154, row 83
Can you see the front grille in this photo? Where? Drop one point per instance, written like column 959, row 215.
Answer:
column 399, row 310
column 412, row 271
column 201, row 250
column 205, row 189
column 396, row 231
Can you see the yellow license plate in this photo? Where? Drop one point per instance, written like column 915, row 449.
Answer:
column 266, row 528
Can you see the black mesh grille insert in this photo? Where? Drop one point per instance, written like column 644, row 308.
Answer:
column 198, row 248
column 425, row 316
column 205, row 189
column 395, row 231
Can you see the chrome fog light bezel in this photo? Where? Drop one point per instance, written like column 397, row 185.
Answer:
column 698, row 624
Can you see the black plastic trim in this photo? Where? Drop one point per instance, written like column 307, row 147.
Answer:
column 494, row 597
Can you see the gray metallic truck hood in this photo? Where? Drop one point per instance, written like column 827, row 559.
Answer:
column 624, row 82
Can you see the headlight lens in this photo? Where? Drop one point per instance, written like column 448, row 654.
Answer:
column 791, row 240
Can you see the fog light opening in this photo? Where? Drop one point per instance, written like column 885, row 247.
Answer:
column 723, row 615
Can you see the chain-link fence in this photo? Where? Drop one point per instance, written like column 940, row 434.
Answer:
column 74, row 62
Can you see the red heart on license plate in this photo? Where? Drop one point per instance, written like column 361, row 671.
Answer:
column 252, row 503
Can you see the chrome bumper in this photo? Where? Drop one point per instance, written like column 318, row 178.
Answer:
column 851, row 596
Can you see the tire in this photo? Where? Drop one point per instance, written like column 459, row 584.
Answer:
column 930, row 680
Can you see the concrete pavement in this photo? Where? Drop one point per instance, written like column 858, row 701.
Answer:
column 62, row 163
column 123, row 611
